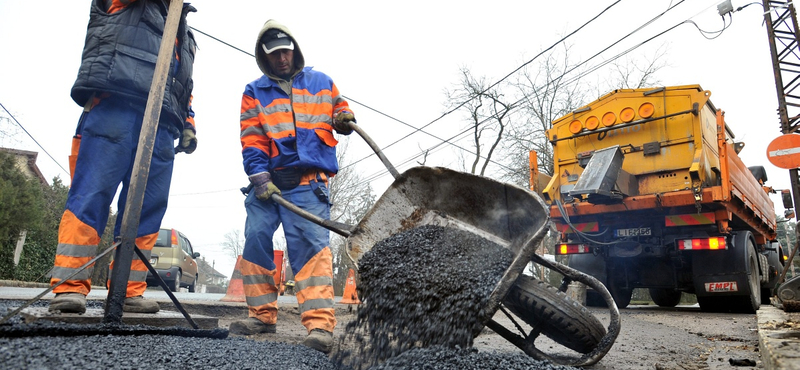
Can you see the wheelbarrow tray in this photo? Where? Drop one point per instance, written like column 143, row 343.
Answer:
column 508, row 215
column 503, row 213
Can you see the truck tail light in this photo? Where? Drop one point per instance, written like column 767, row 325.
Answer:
column 715, row 243
column 573, row 249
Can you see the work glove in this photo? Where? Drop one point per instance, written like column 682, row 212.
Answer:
column 263, row 186
column 188, row 141
column 340, row 123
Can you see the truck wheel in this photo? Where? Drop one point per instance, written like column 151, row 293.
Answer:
column 752, row 302
column 775, row 267
column 622, row 296
column 193, row 287
column 559, row 317
column 665, row 297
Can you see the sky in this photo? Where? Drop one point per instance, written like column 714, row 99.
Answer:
column 393, row 61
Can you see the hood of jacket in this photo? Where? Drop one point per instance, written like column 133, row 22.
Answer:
column 261, row 56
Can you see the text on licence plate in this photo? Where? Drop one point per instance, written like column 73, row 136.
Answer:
column 634, row 231
column 725, row 286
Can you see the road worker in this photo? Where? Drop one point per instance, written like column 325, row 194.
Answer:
column 288, row 116
column 117, row 68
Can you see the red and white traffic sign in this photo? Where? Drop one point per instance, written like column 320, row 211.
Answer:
column 784, row 151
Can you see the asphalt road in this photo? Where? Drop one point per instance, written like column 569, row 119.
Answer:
column 651, row 338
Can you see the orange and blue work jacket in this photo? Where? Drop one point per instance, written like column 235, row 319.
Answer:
column 280, row 131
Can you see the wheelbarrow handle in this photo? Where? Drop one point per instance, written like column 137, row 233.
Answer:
column 375, row 148
column 340, row 228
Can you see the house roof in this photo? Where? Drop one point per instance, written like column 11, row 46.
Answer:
column 30, row 160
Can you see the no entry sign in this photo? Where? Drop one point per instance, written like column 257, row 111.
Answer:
column 784, row 151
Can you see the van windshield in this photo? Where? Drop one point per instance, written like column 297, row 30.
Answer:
column 164, row 238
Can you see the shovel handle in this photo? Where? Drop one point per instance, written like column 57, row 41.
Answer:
column 337, row 227
column 375, row 148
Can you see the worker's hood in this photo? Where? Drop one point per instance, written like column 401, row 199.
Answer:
column 261, row 56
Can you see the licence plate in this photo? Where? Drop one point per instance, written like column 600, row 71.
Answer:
column 634, row 231
column 724, row 286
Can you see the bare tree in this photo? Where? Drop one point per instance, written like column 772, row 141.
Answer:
column 554, row 88
column 233, row 243
column 545, row 96
column 636, row 71
column 9, row 133
column 487, row 111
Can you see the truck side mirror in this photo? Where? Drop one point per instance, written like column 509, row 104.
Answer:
column 786, row 197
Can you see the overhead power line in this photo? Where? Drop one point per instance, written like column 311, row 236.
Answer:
column 565, row 73
column 457, row 107
column 383, row 173
column 34, row 139
column 421, row 129
column 572, row 80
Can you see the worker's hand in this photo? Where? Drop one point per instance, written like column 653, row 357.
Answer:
column 188, row 141
column 341, row 123
column 263, row 186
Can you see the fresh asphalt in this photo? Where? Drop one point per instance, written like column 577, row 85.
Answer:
column 779, row 331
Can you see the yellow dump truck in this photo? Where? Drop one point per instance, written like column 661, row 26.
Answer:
column 648, row 191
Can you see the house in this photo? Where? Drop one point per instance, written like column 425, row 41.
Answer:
column 210, row 280
column 25, row 162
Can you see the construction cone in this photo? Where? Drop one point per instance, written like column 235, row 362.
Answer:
column 350, row 296
column 236, row 287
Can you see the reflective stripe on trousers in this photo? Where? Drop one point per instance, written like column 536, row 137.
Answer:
column 109, row 140
column 260, row 291
column 307, row 249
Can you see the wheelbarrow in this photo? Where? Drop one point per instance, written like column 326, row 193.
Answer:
column 502, row 213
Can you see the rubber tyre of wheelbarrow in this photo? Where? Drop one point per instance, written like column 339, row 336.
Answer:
column 561, row 318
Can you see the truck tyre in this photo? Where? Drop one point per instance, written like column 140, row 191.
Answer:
column 775, row 267
column 665, row 297
column 749, row 298
column 752, row 301
column 193, row 287
column 559, row 317
column 622, row 296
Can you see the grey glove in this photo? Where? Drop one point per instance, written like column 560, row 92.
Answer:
column 188, row 141
column 341, row 123
column 263, row 186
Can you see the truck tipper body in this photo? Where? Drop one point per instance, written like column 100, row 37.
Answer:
column 648, row 191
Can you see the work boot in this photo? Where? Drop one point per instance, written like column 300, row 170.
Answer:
column 140, row 305
column 320, row 340
column 68, row 303
column 250, row 326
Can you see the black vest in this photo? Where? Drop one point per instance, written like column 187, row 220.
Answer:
column 120, row 52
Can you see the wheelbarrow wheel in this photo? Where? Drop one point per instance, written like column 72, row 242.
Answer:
column 556, row 315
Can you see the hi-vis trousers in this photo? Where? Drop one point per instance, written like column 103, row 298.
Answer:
column 309, row 256
column 106, row 143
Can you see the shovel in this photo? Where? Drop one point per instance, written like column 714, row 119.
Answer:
column 342, row 229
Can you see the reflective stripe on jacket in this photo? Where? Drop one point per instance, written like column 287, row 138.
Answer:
column 280, row 131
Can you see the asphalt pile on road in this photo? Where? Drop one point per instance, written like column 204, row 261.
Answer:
column 155, row 352
column 421, row 288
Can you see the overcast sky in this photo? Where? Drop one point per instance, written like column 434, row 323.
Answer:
column 394, row 57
